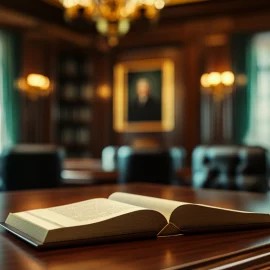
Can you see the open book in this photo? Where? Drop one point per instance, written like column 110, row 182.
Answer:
column 125, row 216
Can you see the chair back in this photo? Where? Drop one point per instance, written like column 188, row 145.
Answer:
column 144, row 165
column 230, row 167
column 31, row 167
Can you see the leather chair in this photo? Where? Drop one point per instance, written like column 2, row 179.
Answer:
column 152, row 165
column 230, row 167
column 178, row 155
column 31, row 167
column 109, row 158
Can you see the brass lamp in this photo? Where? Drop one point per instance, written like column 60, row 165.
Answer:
column 218, row 84
column 34, row 85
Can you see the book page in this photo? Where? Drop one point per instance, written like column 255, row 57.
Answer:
column 81, row 213
column 197, row 216
column 165, row 207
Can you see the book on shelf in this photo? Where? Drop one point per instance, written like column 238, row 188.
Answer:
column 125, row 216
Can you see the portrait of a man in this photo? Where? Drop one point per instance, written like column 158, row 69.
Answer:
column 144, row 102
column 143, row 98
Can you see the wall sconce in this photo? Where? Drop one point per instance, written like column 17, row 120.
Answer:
column 218, row 84
column 34, row 86
column 104, row 91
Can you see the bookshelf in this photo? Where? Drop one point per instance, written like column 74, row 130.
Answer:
column 75, row 91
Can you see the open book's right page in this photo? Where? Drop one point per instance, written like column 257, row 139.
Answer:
column 192, row 218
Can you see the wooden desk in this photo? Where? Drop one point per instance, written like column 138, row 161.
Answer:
column 159, row 253
column 86, row 171
column 82, row 164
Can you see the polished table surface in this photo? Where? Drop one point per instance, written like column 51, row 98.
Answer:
column 161, row 253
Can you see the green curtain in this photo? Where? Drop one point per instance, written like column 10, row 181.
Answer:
column 10, row 44
column 241, row 62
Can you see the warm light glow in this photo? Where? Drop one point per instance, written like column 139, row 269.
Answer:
column 149, row 2
column 204, row 80
column 241, row 80
column 159, row 4
column 102, row 26
column 104, row 91
column 214, row 78
column 123, row 26
column 227, row 78
column 112, row 17
column 69, row 3
column 34, row 85
column 215, row 83
column 72, row 3
column 37, row 80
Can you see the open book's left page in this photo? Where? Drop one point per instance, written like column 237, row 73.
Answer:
column 76, row 214
column 91, row 218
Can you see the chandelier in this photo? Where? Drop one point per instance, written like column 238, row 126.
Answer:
column 112, row 17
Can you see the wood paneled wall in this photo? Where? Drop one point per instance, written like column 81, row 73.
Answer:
column 102, row 105
column 37, row 120
column 217, row 115
column 199, row 44
column 204, row 46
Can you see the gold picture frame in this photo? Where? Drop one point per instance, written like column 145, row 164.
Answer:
column 163, row 68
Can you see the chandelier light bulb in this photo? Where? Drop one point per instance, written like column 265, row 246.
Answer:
column 159, row 4
column 149, row 2
column 102, row 26
column 72, row 3
column 85, row 3
column 69, row 3
column 123, row 26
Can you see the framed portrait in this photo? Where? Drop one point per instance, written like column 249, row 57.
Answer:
column 144, row 96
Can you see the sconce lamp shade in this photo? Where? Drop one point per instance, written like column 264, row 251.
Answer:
column 218, row 84
column 35, row 85
column 204, row 80
column 214, row 78
column 227, row 78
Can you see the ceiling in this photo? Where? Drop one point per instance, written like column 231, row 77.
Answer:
column 52, row 11
column 178, row 11
column 170, row 3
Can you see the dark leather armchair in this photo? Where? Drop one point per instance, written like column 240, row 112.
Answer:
column 109, row 157
column 31, row 167
column 230, row 167
column 145, row 165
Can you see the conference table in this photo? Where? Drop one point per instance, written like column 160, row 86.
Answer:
column 202, row 251
column 89, row 171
